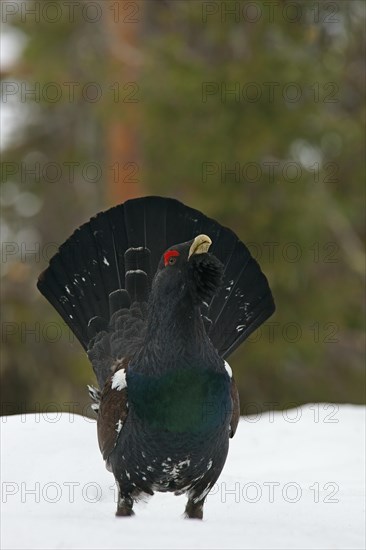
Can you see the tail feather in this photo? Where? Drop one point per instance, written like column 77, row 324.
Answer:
column 248, row 296
column 108, row 260
column 121, row 248
column 137, row 285
column 119, row 299
column 59, row 290
column 138, row 259
column 96, row 325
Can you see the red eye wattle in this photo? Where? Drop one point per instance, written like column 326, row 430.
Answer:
column 170, row 257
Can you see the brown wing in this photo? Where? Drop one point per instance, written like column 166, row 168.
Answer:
column 113, row 410
column 236, row 408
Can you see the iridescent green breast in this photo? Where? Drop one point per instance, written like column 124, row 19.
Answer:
column 181, row 400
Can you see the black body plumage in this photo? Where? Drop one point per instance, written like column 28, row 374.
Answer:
column 158, row 314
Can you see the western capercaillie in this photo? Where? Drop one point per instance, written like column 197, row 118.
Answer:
column 159, row 296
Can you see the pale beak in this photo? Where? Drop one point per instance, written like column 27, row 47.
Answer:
column 200, row 245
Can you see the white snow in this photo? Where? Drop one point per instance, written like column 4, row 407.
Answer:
column 293, row 480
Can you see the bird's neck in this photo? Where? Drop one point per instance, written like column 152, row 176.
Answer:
column 174, row 329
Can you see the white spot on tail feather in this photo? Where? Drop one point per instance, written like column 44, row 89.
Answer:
column 228, row 369
column 105, row 261
column 119, row 380
column 135, row 271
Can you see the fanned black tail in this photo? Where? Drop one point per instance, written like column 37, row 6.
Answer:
column 109, row 262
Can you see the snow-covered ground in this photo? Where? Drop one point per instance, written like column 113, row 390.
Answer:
column 292, row 480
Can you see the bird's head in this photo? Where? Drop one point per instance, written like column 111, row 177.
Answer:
column 187, row 269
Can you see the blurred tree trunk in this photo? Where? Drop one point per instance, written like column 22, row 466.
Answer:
column 123, row 156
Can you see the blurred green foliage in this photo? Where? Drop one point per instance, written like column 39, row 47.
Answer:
column 260, row 124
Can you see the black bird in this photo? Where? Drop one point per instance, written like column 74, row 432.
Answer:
column 158, row 315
